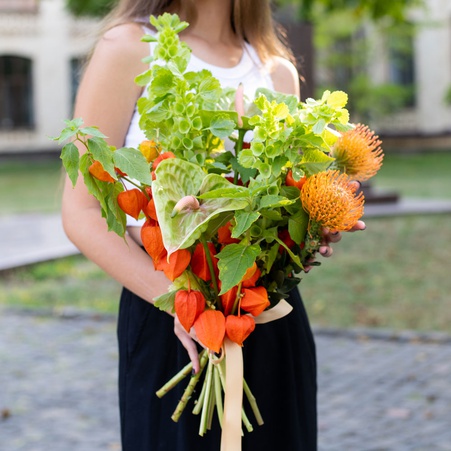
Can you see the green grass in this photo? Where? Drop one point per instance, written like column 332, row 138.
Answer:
column 72, row 282
column 393, row 275
column 425, row 175
column 30, row 186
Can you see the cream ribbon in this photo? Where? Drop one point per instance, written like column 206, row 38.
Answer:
column 233, row 398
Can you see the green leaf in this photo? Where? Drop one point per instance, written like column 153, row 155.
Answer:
column 177, row 178
column 165, row 302
column 234, row 260
column 272, row 201
column 319, row 127
column 116, row 219
column 222, row 127
column 66, row 134
column 133, row 163
column 102, row 152
column 297, row 226
column 234, row 192
column 294, row 257
column 93, row 131
column 289, row 99
column 246, row 158
column 314, row 161
column 71, row 160
column 244, row 219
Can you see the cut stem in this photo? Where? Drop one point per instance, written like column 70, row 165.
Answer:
column 190, row 388
column 206, row 400
column 253, row 403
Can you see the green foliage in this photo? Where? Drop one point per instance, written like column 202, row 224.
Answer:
column 374, row 9
column 96, row 8
column 344, row 51
column 129, row 161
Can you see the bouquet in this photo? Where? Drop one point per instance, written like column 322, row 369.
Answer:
column 230, row 227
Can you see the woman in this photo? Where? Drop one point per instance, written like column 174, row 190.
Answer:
column 236, row 41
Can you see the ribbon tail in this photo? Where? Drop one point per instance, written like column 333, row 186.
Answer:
column 233, row 399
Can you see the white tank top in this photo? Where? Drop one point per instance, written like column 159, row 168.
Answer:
column 250, row 71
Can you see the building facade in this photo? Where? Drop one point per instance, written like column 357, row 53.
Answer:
column 42, row 47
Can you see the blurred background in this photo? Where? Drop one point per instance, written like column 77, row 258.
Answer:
column 393, row 58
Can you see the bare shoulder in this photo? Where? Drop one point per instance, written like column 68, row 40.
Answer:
column 123, row 42
column 285, row 76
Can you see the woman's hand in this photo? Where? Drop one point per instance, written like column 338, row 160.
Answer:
column 330, row 237
column 188, row 342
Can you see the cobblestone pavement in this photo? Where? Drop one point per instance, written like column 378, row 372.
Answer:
column 376, row 392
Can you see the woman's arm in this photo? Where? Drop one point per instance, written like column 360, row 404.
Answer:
column 107, row 98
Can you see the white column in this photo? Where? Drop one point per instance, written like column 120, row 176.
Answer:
column 52, row 74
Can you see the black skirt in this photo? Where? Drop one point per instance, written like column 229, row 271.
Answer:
column 279, row 367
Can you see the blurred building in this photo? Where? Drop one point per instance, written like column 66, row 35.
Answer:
column 427, row 70
column 41, row 53
column 42, row 48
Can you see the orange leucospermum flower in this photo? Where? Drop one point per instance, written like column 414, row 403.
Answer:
column 358, row 153
column 330, row 199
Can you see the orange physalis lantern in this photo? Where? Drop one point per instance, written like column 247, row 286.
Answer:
column 210, row 329
column 254, row 300
column 228, row 300
column 152, row 240
column 290, row 181
column 97, row 171
column 225, row 235
column 132, row 202
column 253, row 279
column 178, row 262
column 188, row 306
column 238, row 328
column 199, row 265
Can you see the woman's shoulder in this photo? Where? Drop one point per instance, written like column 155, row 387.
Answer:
column 121, row 48
column 126, row 36
column 284, row 76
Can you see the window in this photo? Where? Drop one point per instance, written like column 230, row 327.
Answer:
column 16, row 93
column 401, row 71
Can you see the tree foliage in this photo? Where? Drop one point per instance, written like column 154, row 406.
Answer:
column 90, row 7
column 375, row 9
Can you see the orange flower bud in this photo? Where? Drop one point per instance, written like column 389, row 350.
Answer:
column 255, row 300
column 290, row 181
column 97, row 171
column 150, row 150
column 188, row 306
column 210, row 329
column 238, row 328
column 132, row 202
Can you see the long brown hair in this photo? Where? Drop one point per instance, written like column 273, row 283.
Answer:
column 251, row 20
